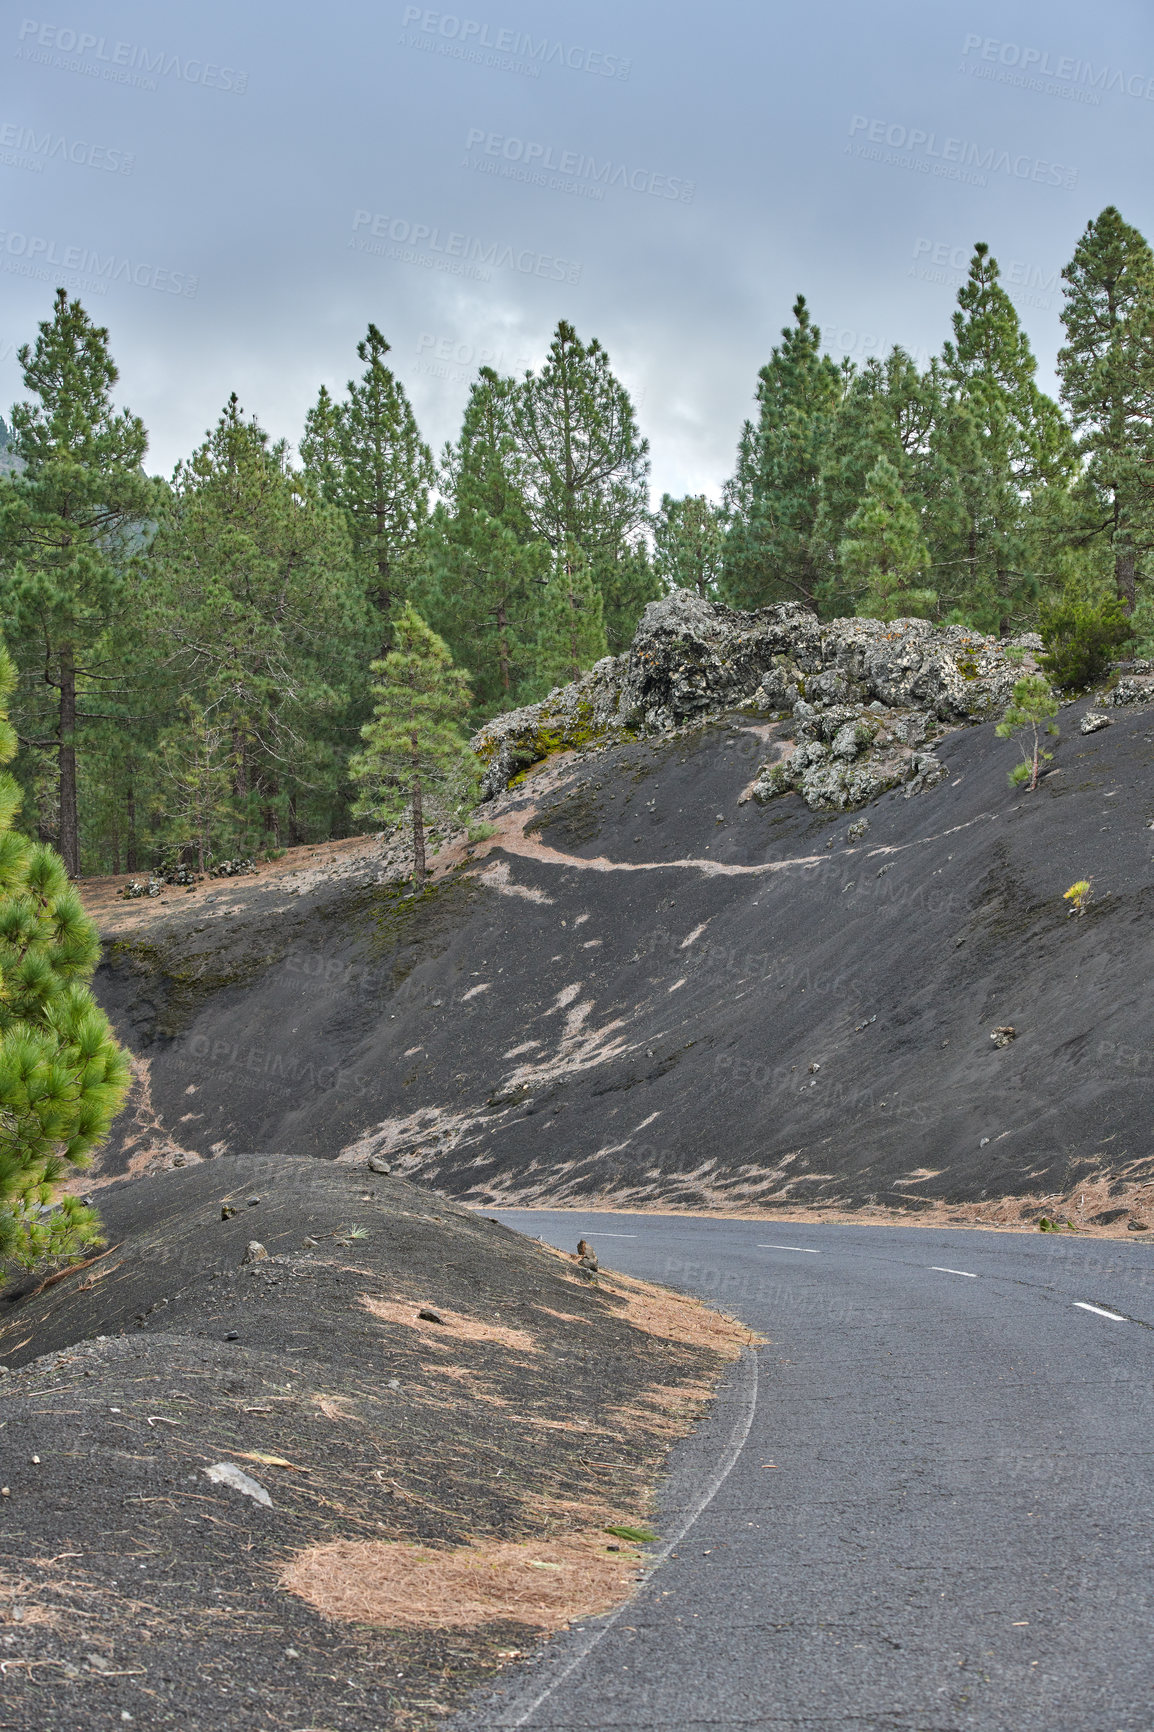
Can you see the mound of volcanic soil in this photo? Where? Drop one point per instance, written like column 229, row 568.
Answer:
column 680, row 973
column 446, row 1476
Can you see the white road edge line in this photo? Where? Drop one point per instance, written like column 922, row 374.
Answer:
column 736, row 1444
column 808, row 1249
column 938, row 1270
column 613, row 1235
column 1114, row 1316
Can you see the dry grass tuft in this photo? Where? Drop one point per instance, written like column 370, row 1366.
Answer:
column 676, row 1317
column 546, row 1582
column 455, row 1324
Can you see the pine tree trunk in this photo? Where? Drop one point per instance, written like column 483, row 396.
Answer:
column 418, row 835
column 130, row 837
column 503, row 646
column 295, row 835
column 240, row 754
column 69, row 842
column 1125, row 576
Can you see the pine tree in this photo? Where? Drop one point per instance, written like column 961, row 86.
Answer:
column 366, row 456
column 71, row 517
column 888, row 410
column 195, row 776
column 571, row 625
column 689, row 544
column 773, row 497
column 584, row 469
column 62, row 1076
column 1006, row 442
column 416, row 758
column 1107, row 373
column 259, row 616
column 483, row 564
column 884, row 553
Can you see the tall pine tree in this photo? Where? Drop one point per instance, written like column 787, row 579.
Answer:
column 571, row 623
column 71, row 516
column 774, row 495
column 484, row 564
column 260, row 618
column 689, row 544
column 1006, row 441
column 584, row 469
column 1107, row 371
column 884, row 557
column 366, row 456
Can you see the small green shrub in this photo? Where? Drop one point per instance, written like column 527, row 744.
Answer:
column 481, row 832
column 1082, row 636
column 639, row 1535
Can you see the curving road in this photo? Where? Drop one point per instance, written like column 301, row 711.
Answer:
column 930, row 1495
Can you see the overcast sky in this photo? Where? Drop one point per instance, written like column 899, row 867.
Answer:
column 235, row 191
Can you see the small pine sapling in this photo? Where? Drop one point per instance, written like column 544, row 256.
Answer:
column 1030, row 714
column 416, row 758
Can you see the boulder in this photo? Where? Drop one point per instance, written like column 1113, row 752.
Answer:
column 693, row 659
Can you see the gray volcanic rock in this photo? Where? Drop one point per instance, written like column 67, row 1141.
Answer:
column 692, row 659
column 1133, row 684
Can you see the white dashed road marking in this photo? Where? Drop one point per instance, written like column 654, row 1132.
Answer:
column 968, row 1273
column 1114, row 1316
column 809, row 1251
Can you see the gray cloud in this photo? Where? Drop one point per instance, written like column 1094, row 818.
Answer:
column 236, row 192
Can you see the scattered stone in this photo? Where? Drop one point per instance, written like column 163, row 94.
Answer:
column 227, row 1211
column 227, row 1473
column 1135, row 685
column 1137, row 1227
column 377, row 1165
column 310, row 1243
column 98, row 1662
column 428, row 1315
column 1093, row 720
column 1003, row 1036
column 254, row 1252
column 252, row 1202
column 857, row 830
column 231, row 1335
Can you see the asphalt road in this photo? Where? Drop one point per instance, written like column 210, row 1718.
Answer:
column 931, row 1491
